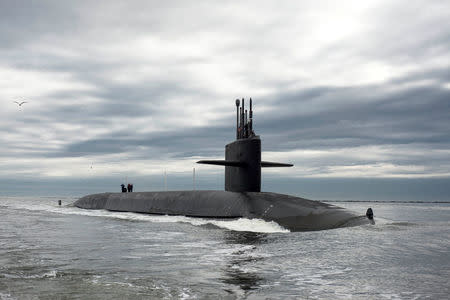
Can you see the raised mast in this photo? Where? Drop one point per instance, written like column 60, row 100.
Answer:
column 242, row 119
column 237, row 118
column 250, row 116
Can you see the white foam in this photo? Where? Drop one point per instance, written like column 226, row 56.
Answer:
column 5, row 296
column 185, row 293
column 253, row 225
column 49, row 274
column 241, row 224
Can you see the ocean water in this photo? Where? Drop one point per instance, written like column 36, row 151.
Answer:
column 52, row 252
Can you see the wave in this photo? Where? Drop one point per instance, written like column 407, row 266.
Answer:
column 239, row 224
column 48, row 274
column 5, row 296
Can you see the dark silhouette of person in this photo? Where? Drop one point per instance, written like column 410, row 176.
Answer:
column 129, row 187
column 124, row 190
column 131, row 190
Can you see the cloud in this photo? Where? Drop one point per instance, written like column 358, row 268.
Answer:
column 342, row 90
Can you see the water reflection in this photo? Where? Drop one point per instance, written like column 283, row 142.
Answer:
column 245, row 237
column 240, row 269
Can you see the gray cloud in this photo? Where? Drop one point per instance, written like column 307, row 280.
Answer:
column 149, row 81
column 22, row 21
column 361, row 116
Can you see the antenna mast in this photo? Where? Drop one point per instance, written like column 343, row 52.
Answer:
column 242, row 119
column 250, row 116
column 237, row 118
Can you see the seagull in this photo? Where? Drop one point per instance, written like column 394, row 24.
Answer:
column 20, row 104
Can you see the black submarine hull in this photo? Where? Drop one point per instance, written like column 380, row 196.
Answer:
column 293, row 213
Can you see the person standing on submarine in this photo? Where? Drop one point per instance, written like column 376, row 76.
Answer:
column 130, row 187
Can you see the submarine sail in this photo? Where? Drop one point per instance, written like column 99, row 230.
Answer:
column 243, row 156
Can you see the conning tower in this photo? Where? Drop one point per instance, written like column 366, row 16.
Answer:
column 243, row 156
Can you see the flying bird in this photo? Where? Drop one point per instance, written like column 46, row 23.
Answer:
column 20, row 103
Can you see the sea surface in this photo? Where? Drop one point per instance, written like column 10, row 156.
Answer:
column 52, row 252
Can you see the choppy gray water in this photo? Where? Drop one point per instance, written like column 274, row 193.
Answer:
column 64, row 252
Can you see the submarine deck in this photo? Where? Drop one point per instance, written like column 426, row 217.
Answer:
column 293, row 213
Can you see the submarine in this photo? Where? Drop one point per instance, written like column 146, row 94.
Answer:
column 242, row 197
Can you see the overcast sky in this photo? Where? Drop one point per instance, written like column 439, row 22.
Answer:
column 341, row 89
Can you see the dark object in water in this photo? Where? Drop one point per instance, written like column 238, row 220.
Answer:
column 59, row 202
column 242, row 196
column 369, row 213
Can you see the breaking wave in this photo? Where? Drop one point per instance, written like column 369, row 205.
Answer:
column 240, row 224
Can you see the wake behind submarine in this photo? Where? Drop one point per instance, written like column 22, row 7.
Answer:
column 242, row 197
